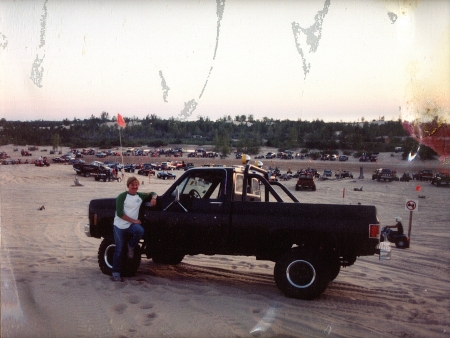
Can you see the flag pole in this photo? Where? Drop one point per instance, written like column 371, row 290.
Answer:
column 121, row 150
column 121, row 123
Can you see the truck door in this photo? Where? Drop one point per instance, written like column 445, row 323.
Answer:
column 196, row 216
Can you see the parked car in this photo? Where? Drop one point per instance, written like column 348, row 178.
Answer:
column 441, row 179
column 101, row 154
column 167, row 166
column 188, row 166
column 343, row 158
column 129, row 168
column 42, row 163
column 164, row 175
column 343, row 174
column 373, row 158
column 146, row 171
column 424, row 175
column 271, row 155
column 406, row 177
column 364, row 158
column 333, row 157
column 305, row 182
column 384, row 174
column 327, row 173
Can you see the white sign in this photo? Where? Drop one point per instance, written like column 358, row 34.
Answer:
column 411, row 205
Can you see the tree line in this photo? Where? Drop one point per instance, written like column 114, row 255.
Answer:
column 242, row 133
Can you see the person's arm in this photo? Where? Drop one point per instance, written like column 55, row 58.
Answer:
column 149, row 196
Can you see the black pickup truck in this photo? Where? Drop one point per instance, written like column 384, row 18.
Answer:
column 238, row 211
column 91, row 169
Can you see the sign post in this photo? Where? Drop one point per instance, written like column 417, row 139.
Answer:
column 411, row 205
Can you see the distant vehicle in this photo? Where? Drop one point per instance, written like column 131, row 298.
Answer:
column 383, row 174
column 398, row 149
column 325, row 157
column 146, row 170
column 129, row 168
column 270, row 155
column 42, row 163
column 188, row 166
column 164, row 175
column 167, row 166
column 364, row 158
column 441, row 179
column 305, row 182
column 101, row 154
column 406, row 177
column 333, row 157
column 327, row 173
column 424, row 175
column 343, row 158
column 343, row 174
column 373, row 158
column 87, row 169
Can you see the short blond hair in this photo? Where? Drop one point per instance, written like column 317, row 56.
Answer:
column 131, row 180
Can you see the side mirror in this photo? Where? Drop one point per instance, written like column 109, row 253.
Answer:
column 176, row 200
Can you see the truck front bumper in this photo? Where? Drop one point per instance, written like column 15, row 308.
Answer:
column 87, row 230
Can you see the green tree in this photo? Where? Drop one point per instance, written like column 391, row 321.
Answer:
column 56, row 141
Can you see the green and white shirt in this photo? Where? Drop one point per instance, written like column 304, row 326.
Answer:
column 127, row 204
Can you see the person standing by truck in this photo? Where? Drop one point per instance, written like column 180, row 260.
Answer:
column 126, row 221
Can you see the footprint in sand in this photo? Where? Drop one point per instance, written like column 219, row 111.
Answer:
column 133, row 299
column 148, row 318
column 146, row 306
column 119, row 308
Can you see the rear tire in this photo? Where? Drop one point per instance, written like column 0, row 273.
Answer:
column 301, row 274
column 401, row 242
column 106, row 257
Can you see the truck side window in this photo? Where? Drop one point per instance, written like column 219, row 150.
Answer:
column 202, row 185
column 252, row 189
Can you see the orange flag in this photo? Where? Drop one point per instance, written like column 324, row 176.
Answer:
column 120, row 121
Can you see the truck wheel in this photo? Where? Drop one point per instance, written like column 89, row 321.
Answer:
column 106, row 256
column 300, row 274
column 97, row 179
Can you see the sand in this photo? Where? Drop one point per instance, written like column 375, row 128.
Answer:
column 52, row 286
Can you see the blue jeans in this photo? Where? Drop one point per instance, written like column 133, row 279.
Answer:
column 136, row 231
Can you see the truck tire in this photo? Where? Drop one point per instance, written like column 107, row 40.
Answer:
column 301, row 274
column 106, row 256
column 97, row 178
column 167, row 258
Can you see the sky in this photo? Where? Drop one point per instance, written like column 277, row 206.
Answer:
column 331, row 60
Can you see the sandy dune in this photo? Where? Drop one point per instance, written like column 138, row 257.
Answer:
column 52, row 286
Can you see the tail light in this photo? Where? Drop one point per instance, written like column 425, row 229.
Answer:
column 95, row 219
column 374, row 230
